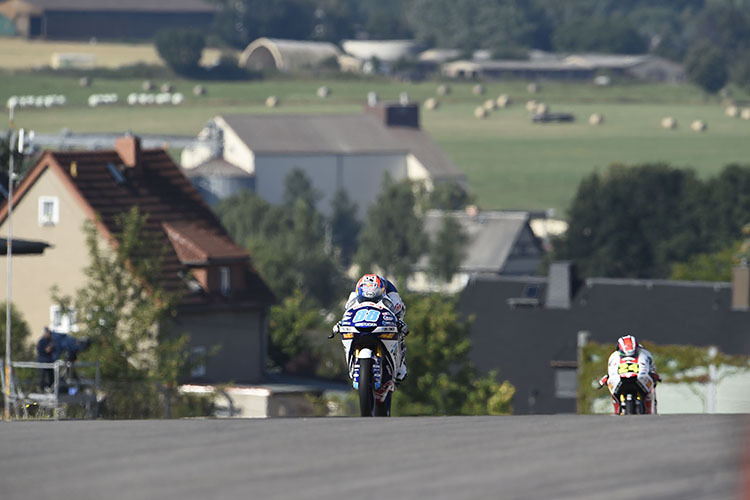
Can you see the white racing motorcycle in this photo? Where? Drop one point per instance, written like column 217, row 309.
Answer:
column 630, row 386
column 369, row 332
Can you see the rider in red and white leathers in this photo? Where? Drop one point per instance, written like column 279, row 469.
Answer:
column 630, row 351
column 372, row 287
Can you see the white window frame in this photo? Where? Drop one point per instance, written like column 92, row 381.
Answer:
column 49, row 219
column 225, row 280
column 198, row 361
column 62, row 322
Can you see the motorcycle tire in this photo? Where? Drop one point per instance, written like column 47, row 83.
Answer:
column 630, row 407
column 366, row 398
column 383, row 409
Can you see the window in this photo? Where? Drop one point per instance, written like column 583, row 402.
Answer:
column 225, row 281
column 62, row 321
column 198, row 361
column 49, row 210
column 566, row 382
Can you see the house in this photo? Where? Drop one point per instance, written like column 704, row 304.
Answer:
column 86, row 19
column 498, row 243
column 350, row 152
column 225, row 302
column 286, row 55
column 529, row 327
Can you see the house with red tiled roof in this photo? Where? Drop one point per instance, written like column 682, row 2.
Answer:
column 225, row 302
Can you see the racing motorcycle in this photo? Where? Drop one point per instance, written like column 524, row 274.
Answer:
column 630, row 388
column 369, row 332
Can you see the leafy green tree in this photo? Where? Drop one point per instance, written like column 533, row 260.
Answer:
column 706, row 66
column 727, row 205
column 180, row 49
column 614, row 35
column 393, row 237
column 707, row 266
column 447, row 251
column 442, row 379
column 448, row 196
column 20, row 349
column 298, row 186
column 345, row 226
column 125, row 311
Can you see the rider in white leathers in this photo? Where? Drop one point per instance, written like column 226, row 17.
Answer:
column 372, row 287
column 628, row 349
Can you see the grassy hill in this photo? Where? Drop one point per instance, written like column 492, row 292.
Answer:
column 510, row 161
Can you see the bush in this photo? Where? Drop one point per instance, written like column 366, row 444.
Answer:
column 181, row 49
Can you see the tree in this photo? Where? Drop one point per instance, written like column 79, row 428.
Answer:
column 442, row 379
column 298, row 186
column 706, row 66
column 707, row 266
column 448, row 196
column 447, row 251
column 125, row 311
column 614, row 36
column 345, row 226
column 180, row 49
column 19, row 335
column 393, row 237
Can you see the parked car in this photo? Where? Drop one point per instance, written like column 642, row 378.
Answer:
column 552, row 117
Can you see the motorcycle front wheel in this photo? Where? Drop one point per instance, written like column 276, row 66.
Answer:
column 630, row 407
column 365, row 387
column 383, row 409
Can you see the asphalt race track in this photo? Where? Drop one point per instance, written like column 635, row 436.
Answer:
column 521, row 457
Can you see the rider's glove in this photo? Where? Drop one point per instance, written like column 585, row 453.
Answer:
column 603, row 381
column 402, row 327
column 334, row 330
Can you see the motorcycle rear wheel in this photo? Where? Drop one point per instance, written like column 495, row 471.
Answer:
column 630, row 407
column 365, row 387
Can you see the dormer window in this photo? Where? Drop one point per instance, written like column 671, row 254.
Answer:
column 225, row 280
column 49, row 210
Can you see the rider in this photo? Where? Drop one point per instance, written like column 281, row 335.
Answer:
column 373, row 288
column 628, row 347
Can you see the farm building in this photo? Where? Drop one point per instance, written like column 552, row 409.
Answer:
column 107, row 19
column 350, row 152
column 286, row 55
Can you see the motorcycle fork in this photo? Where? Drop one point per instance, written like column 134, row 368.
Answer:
column 376, row 368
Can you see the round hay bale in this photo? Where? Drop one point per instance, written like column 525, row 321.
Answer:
column 147, row 86
column 323, row 92
column 596, row 119
column 668, row 123
column 199, row 90
column 444, row 89
column 272, row 101
column 745, row 114
column 85, row 81
column 732, row 111
column 531, row 106
column 478, row 89
column 533, row 88
column 698, row 126
column 541, row 109
column 490, row 104
column 431, row 103
column 166, row 87
column 503, row 101
column 480, row 112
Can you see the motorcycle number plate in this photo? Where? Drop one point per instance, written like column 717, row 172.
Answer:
column 628, row 369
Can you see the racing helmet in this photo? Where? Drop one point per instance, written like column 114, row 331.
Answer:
column 370, row 287
column 627, row 345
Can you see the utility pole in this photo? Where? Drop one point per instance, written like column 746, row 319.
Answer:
column 8, row 263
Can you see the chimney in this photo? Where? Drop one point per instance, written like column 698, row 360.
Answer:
column 560, row 285
column 396, row 115
column 128, row 147
column 741, row 288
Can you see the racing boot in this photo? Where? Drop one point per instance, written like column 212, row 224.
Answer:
column 401, row 372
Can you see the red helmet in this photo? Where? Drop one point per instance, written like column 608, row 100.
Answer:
column 627, row 345
column 370, row 287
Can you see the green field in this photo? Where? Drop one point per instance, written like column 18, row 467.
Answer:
column 510, row 162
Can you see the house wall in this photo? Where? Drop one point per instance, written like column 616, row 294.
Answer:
column 61, row 264
column 244, row 331
column 361, row 176
column 236, row 151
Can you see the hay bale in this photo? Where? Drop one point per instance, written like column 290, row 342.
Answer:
column 272, row 101
column 199, row 90
column 503, row 101
column 166, row 87
column 669, row 123
column 531, row 106
column 478, row 89
column 323, row 92
column 541, row 109
column 732, row 111
column 698, row 126
column 596, row 119
column 490, row 104
column 444, row 89
column 480, row 112
column 533, row 88
column 147, row 86
column 431, row 103
column 85, row 82
column 745, row 114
